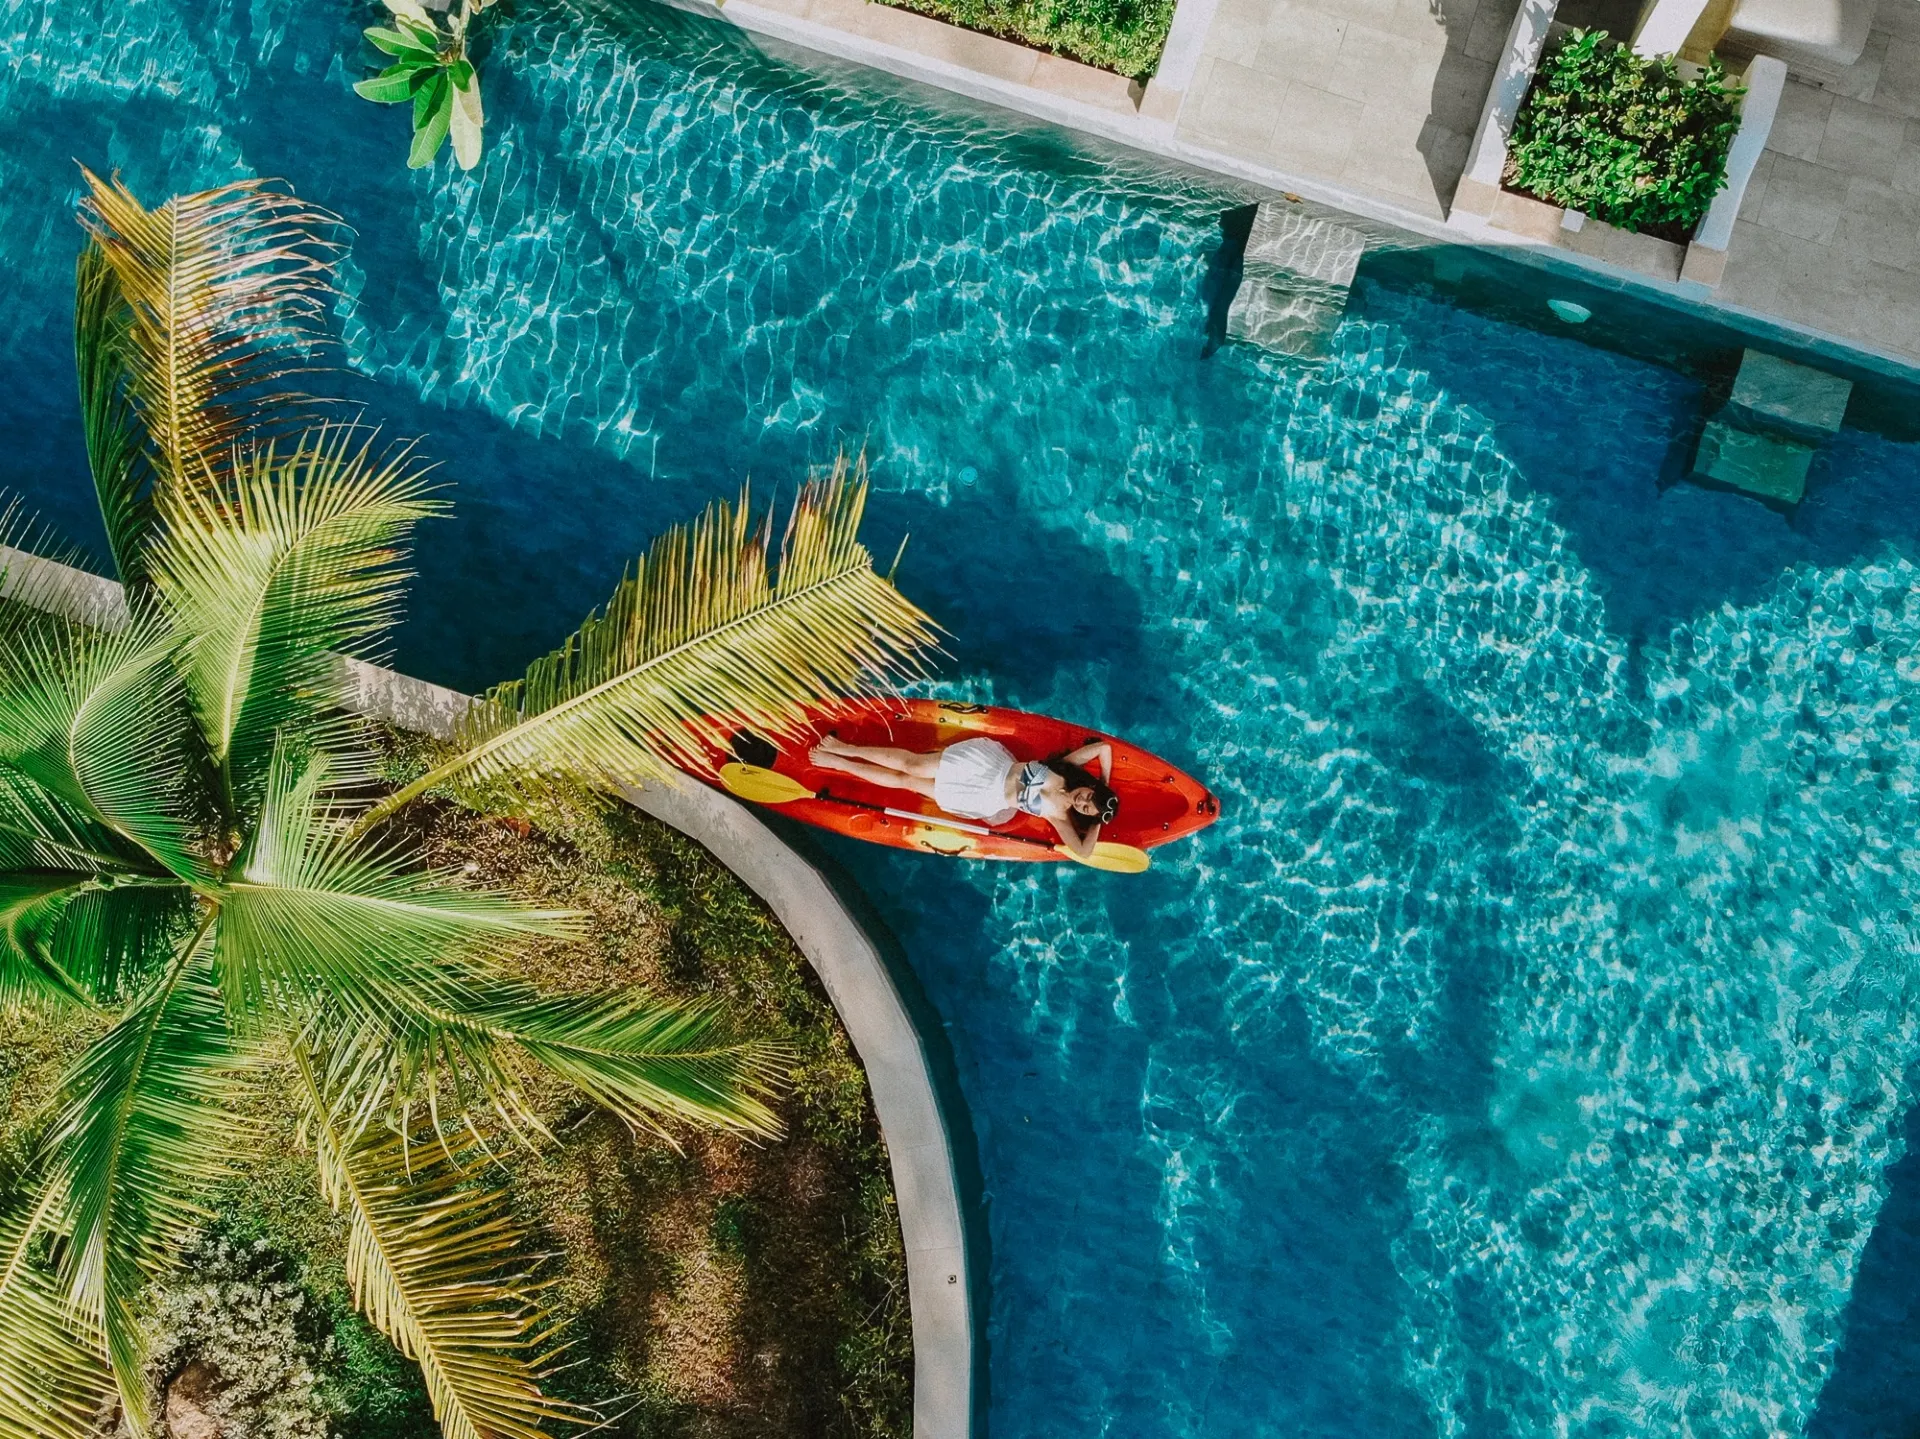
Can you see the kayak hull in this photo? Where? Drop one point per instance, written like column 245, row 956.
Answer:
column 1158, row 803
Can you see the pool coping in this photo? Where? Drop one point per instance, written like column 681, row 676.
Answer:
column 1107, row 106
column 850, row 966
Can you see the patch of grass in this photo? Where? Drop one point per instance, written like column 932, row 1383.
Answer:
column 1125, row 36
column 727, row 1288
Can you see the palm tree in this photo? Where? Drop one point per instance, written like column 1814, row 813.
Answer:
column 190, row 852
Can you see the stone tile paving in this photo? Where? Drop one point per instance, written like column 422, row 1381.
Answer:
column 1829, row 233
column 1379, row 96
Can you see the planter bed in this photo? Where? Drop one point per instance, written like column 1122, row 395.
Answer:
column 1122, row 36
column 1489, row 194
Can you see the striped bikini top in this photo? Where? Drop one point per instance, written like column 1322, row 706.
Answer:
column 1033, row 783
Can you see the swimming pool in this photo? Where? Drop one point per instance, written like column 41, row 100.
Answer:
column 1525, row 1049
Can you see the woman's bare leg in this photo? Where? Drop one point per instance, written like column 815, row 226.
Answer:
column 905, row 761
column 882, row 775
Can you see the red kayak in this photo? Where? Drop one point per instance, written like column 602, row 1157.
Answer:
column 1157, row 802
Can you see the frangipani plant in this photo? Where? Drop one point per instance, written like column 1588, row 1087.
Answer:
column 431, row 72
column 193, row 850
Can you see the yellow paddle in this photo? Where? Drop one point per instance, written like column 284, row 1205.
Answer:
column 1114, row 858
column 766, row 786
column 762, row 786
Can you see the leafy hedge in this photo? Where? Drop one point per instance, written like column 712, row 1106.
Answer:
column 1624, row 138
column 1126, row 36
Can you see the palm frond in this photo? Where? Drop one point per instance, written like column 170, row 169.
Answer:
column 271, row 575
column 122, row 478
column 46, row 580
column 39, row 830
column 31, row 906
column 650, row 1061
column 112, row 938
column 53, row 1368
column 93, row 719
column 227, row 293
column 432, row 1262
column 145, row 1128
column 704, row 637
column 310, row 916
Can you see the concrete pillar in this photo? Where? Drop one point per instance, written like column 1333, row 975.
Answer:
column 1665, row 25
column 1179, row 61
column 1479, row 186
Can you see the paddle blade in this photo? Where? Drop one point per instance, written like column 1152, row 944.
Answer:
column 1114, row 858
column 761, row 786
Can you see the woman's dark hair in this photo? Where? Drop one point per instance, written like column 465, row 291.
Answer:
column 1104, row 799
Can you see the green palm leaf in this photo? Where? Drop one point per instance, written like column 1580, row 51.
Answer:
column 430, row 1259
column 146, row 1126
column 39, row 830
column 649, row 1061
column 310, row 916
column 31, row 906
column 652, row 1063
column 111, row 940
column 227, row 293
column 92, row 718
column 121, row 476
column 54, row 1379
column 269, row 577
column 704, row 637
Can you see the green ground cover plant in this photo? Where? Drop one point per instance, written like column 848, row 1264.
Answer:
column 212, row 886
column 1125, row 36
column 1624, row 138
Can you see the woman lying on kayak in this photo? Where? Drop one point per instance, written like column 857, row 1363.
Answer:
column 980, row 779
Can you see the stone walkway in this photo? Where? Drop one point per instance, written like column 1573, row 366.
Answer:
column 1379, row 96
column 1829, row 233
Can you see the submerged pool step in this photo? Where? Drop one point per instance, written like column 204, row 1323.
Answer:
column 1763, row 442
column 1297, row 271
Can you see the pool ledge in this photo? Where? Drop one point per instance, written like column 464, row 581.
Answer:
column 848, row 962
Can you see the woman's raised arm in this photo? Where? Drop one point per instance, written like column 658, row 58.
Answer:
column 1097, row 749
column 1080, row 844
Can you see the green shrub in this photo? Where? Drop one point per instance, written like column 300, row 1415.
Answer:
column 1126, row 36
column 1623, row 137
column 231, row 1310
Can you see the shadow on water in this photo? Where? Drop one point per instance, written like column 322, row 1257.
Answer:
column 1224, row 268
column 1874, row 1389
column 1027, row 625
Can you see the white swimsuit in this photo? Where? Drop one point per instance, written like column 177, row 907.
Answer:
column 971, row 782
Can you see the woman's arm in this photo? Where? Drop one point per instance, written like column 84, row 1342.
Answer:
column 1098, row 749
column 1080, row 844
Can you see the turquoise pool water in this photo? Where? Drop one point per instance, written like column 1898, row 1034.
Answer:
column 1525, row 1051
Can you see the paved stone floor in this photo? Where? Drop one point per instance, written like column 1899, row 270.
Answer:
column 1829, row 234
column 1380, row 96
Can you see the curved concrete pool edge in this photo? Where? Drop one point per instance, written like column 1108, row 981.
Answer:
column 850, row 966
column 919, row 1148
